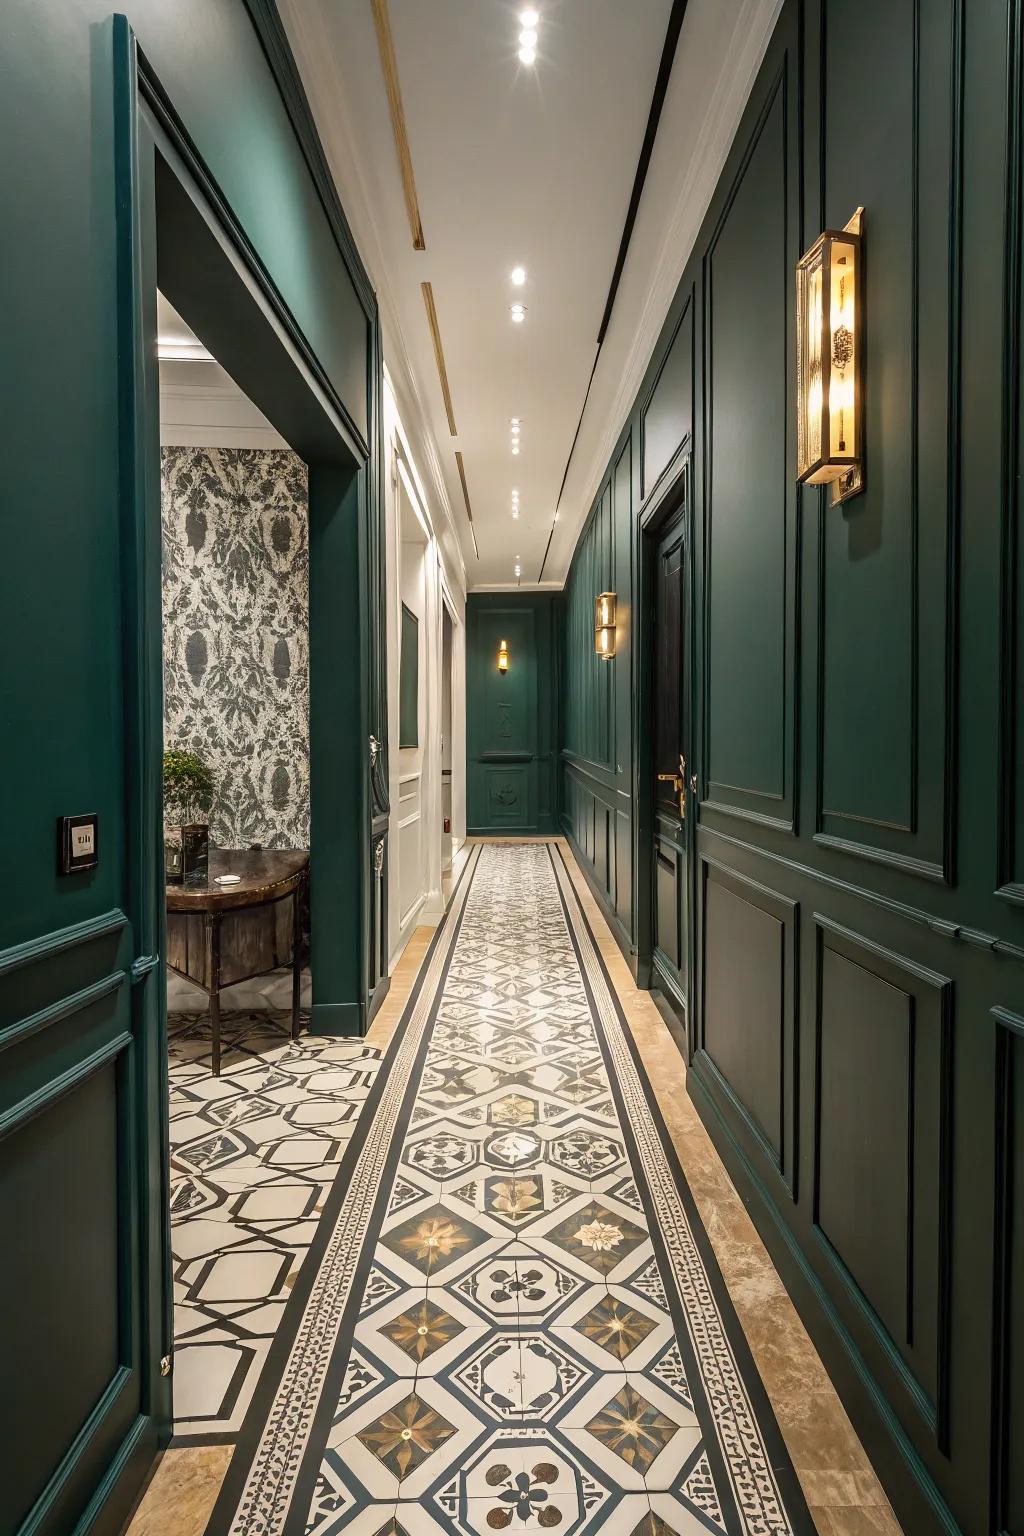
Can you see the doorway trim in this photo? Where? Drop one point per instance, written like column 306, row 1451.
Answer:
column 147, row 128
column 675, row 491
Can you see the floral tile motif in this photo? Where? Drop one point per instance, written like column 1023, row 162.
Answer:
column 598, row 1236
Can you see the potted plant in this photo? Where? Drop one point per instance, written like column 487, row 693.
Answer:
column 188, row 796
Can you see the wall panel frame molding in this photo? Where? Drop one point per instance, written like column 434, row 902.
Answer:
column 750, row 504
column 887, row 757
column 882, row 1199
column 747, row 1027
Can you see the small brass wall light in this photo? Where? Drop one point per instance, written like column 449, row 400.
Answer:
column 604, row 625
column 829, row 362
column 503, row 656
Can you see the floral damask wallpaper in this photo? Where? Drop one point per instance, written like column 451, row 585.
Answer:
column 236, row 634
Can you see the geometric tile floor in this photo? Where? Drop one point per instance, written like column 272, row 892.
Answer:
column 253, row 1154
column 510, row 1317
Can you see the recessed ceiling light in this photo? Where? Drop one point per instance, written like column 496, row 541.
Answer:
column 518, row 313
column 515, row 511
column 528, row 18
column 528, row 38
column 518, row 276
column 515, row 447
column 515, row 421
column 527, row 55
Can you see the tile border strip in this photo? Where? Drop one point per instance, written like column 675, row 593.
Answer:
column 747, row 1433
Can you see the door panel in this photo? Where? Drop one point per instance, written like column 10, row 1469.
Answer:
column 670, row 734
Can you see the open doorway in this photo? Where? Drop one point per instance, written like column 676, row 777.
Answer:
column 234, row 514
column 247, row 507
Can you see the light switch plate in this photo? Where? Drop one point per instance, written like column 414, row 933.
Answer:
column 78, row 843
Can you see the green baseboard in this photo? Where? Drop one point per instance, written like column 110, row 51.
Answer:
column 336, row 1019
column 611, row 917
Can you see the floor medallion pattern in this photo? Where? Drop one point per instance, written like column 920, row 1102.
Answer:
column 510, row 1318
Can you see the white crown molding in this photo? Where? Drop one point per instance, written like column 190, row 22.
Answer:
column 620, row 374
column 305, row 24
column 517, row 586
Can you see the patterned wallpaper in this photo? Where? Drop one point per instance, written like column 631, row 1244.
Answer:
column 236, row 634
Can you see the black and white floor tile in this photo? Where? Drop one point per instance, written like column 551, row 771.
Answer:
column 510, row 1317
column 253, row 1154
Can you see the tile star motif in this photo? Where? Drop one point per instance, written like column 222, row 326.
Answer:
column 406, row 1435
column 600, row 1237
column 633, row 1428
column 615, row 1326
column 422, row 1329
column 514, row 1110
column 651, row 1525
column 514, row 1199
column 432, row 1239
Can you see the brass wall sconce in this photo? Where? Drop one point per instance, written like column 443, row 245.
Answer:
column 503, row 656
column 829, row 362
column 604, row 625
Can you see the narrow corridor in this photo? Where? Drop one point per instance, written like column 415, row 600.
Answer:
column 496, row 1303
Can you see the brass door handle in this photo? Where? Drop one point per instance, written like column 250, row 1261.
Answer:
column 679, row 786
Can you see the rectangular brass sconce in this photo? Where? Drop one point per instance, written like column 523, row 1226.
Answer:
column 503, row 656
column 604, row 625
column 829, row 362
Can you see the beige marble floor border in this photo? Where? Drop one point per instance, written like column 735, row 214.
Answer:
column 844, row 1495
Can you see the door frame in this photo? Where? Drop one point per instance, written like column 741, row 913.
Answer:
column 147, row 129
column 674, row 492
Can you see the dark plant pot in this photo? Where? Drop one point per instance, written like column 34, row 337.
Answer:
column 173, row 865
column 195, row 853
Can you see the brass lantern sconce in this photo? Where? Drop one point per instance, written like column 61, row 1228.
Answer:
column 604, row 625
column 503, row 656
column 829, row 363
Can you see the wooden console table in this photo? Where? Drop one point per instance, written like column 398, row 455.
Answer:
column 219, row 935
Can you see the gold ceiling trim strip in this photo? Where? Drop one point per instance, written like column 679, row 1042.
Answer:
column 389, row 64
column 442, row 372
column 465, row 497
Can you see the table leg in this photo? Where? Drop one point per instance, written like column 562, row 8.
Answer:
column 213, row 958
column 296, row 957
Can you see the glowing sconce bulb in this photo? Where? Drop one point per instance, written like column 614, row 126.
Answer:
column 503, row 656
column 604, row 625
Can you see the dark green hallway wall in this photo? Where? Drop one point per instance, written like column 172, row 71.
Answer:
column 511, row 718
column 84, row 1319
column 856, row 993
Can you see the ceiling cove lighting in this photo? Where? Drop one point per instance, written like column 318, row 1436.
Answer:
column 518, row 276
column 829, row 373
column 604, row 625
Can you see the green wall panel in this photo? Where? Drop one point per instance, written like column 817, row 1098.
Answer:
column 748, row 550
column 857, row 929
column 511, row 719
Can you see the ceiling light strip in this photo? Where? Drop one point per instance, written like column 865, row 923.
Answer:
column 465, row 496
column 442, row 372
column 389, row 65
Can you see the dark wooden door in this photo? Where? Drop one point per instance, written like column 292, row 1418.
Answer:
column 670, row 737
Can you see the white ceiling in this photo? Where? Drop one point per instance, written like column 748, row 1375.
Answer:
column 530, row 165
column 200, row 403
